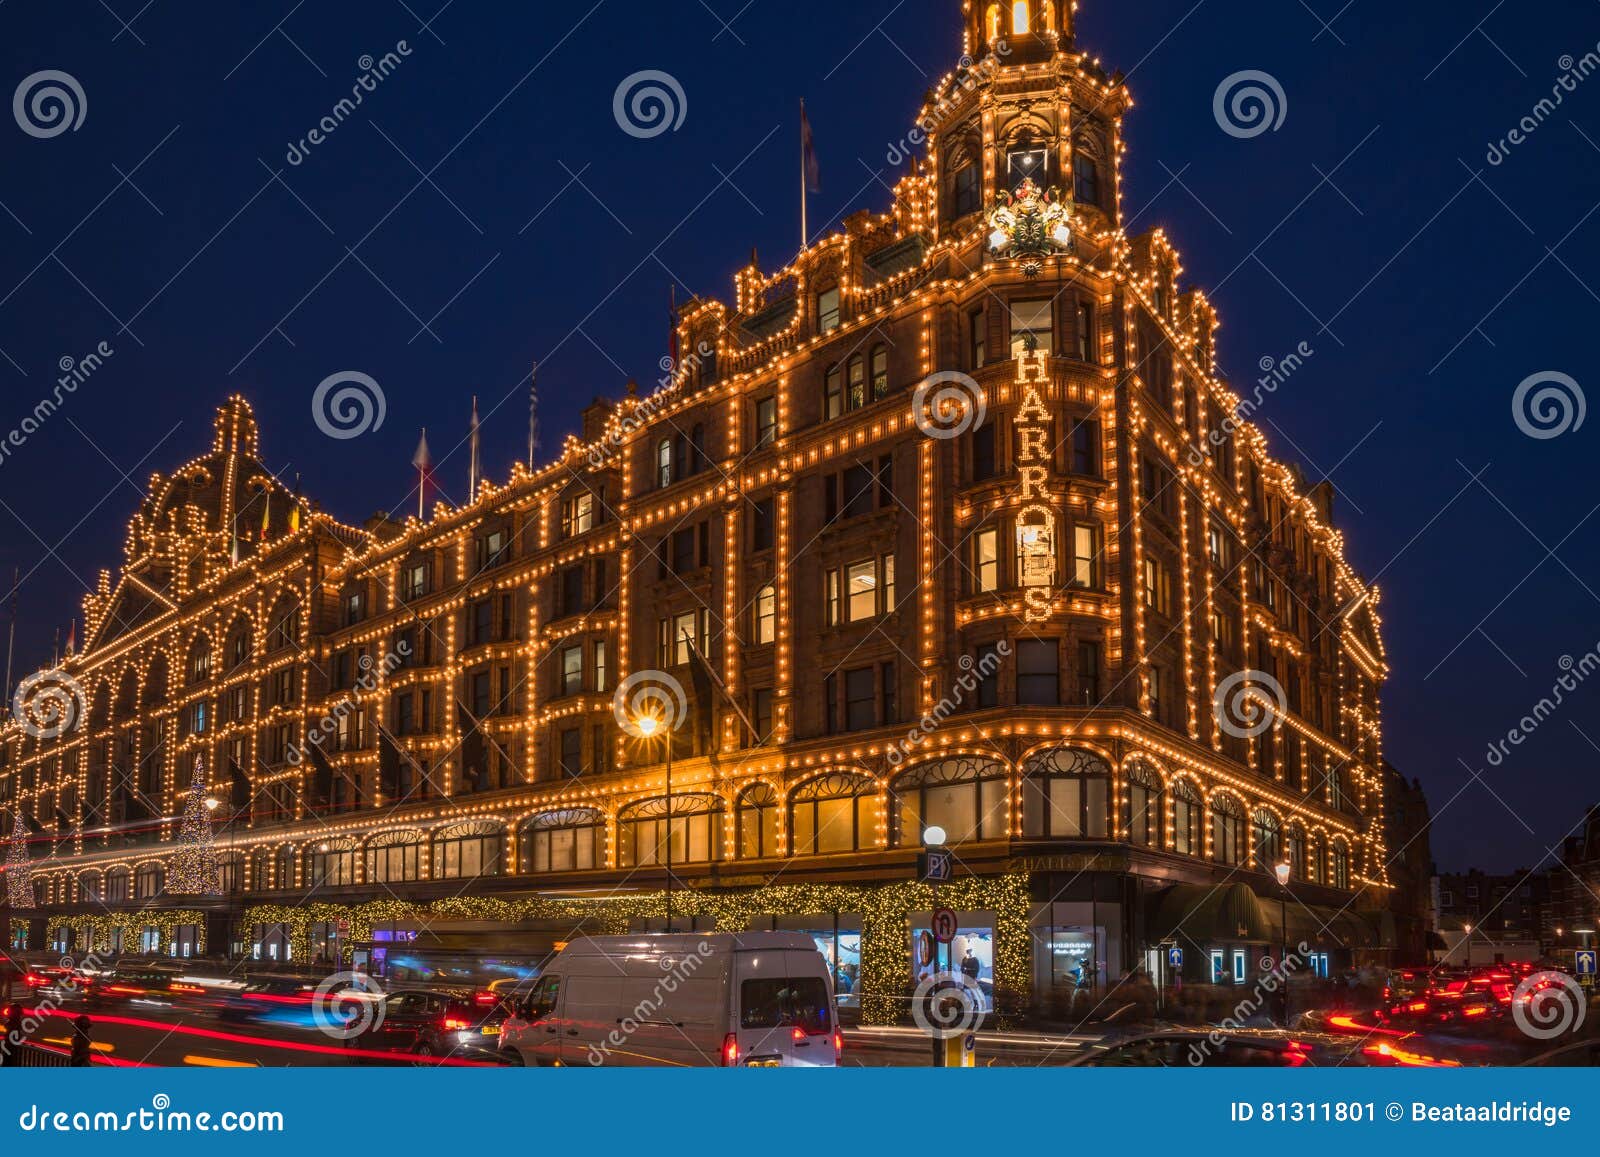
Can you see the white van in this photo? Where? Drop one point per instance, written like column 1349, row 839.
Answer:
column 762, row 999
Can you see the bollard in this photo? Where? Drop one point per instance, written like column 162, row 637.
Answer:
column 81, row 1024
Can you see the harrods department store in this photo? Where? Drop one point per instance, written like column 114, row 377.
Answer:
column 1026, row 617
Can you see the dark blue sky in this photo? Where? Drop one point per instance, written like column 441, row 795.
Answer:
column 1428, row 282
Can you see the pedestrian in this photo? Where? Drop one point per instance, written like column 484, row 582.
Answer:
column 971, row 966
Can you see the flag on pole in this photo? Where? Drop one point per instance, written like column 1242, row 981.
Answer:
column 808, row 154
column 266, row 514
column 474, row 470
column 72, row 636
column 294, row 508
column 423, row 461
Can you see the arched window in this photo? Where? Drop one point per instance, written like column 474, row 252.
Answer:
column 963, row 795
column 1339, row 868
column 831, row 814
column 664, row 462
column 331, row 863
column 1295, row 842
column 261, row 871
column 199, row 666
column 1021, row 24
column 563, row 841
column 239, row 645
column 230, row 872
column 394, row 857
column 468, row 850
column 1088, row 170
column 1066, row 793
column 1144, row 805
column 91, row 887
column 155, row 682
column 766, row 612
column 858, row 382
column 695, row 826
column 1227, row 830
column 1186, row 812
column 283, row 874
column 1266, row 834
column 991, row 22
column 880, row 373
column 148, row 881
column 1317, row 865
column 283, row 626
column 118, row 886
column 757, row 817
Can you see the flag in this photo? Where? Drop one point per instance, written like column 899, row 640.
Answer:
column 474, row 467
column 294, row 510
column 72, row 636
column 808, row 154
column 423, row 461
column 266, row 514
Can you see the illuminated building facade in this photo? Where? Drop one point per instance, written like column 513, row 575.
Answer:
column 1062, row 605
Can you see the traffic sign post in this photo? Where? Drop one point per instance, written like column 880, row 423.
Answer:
column 1585, row 961
column 1175, row 958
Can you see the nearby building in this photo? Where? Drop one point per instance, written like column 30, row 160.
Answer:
column 1575, row 885
column 1406, row 825
column 1510, row 916
column 1097, row 634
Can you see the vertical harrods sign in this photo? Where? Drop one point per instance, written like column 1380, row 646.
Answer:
column 1036, row 522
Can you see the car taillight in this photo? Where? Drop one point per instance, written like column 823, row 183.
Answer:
column 484, row 998
column 730, row 1050
column 797, row 1033
column 33, row 980
column 456, row 1024
column 838, row 1044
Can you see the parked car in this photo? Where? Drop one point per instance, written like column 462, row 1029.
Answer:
column 134, row 985
column 433, row 1023
column 758, row 999
column 1271, row 1048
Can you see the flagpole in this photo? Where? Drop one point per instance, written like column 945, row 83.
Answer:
column 805, row 232
column 11, row 640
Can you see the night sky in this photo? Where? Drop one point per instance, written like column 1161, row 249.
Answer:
column 482, row 210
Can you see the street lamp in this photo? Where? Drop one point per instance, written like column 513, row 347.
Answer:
column 1466, row 942
column 1281, row 871
column 212, row 803
column 648, row 727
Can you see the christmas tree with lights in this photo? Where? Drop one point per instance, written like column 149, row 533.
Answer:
column 19, row 874
column 194, row 864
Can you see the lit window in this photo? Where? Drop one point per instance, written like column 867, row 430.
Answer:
column 1085, row 554
column 828, row 310
column 1032, row 326
column 766, row 615
column 863, row 584
column 1019, row 18
column 577, row 516
column 988, row 560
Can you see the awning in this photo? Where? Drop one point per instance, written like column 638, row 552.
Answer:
column 1323, row 927
column 1229, row 914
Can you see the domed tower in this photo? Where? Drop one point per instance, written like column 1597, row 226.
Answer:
column 1025, row 104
